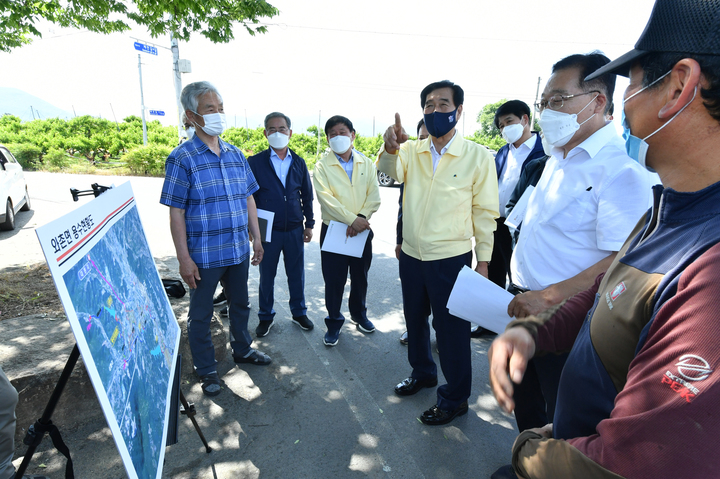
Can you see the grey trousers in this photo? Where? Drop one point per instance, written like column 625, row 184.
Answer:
column 8, row 401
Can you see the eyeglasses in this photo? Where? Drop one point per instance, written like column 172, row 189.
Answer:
column 282, row 130
column 556, row 102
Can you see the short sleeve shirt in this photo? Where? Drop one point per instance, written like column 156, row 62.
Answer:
column 582, row 209
column 213, row 191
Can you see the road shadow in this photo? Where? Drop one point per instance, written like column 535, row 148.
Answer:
column 22, row 219
column 316, row 411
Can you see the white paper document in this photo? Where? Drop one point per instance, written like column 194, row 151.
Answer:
column 265, row 222
column 337, row 241
column 518, row 212
column 478, row 300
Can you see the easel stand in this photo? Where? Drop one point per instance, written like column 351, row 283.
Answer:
column 37, row 431
column 189, row 411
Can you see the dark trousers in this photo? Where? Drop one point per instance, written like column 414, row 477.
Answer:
column 501, row 254
column 234, row 281
column 426, row 287
column 335, row 272
column 535, row 397
column 291, row 244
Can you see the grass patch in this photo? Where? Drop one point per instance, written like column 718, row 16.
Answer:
column 80, row 166
column 28, row 290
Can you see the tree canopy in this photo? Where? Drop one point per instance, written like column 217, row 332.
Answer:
column 486, row 118
column 213, row 19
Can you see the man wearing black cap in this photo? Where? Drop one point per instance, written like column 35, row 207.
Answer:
column 638, row 396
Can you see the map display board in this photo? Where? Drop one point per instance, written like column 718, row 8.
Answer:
column 121, row 318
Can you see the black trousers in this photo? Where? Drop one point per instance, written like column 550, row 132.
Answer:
column 426, row 287
column 501, row 254
column 535, row 397
column 335, row 273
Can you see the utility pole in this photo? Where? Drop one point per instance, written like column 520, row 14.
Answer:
column 115, row 118
column 178, row 81
column 142, row 103
column 32, row 111
column 179, row 67
column 537, row 93
column 317, row 155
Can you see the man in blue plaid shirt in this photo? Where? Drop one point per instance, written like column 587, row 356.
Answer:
column 208, row 187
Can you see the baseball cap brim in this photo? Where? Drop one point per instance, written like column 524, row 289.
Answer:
column 619, row 66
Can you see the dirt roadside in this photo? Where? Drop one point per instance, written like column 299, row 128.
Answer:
column 26, row 290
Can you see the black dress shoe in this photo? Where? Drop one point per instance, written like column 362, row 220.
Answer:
column 410, row 386
column 437, row 417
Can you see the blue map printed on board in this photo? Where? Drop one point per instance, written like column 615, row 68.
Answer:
column 130, row 330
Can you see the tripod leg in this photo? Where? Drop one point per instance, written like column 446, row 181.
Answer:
column 190, row 412
column 37, row 431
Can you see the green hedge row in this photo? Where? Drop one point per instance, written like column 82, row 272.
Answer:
column 56, row 144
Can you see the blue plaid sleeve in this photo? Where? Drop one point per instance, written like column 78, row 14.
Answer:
column 176, row 187
column 252, row 184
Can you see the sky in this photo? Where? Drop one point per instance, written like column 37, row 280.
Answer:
column 363, row 60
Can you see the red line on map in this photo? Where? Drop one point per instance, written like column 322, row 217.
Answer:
column 84, row 238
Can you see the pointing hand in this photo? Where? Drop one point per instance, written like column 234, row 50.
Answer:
column 394, row 136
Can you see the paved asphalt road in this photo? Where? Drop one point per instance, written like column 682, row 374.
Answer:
column 316, row 412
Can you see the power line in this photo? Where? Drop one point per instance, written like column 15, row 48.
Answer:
column 400, row 89
column 425, row 35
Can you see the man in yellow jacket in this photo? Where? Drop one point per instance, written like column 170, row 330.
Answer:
column 346, row 186
column 451, row 196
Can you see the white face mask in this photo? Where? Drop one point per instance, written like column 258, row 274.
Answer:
column 512, row 133
column 547, row 148
column 340, row 144
column 560, row 127
column 190, row 133
column 278, row 140
column 214, row 123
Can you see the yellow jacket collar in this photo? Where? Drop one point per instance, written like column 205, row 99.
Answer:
column 331, row 159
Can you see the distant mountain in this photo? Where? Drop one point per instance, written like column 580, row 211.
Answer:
column 17, row 102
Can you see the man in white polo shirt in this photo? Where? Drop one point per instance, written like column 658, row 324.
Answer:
column 588, row 199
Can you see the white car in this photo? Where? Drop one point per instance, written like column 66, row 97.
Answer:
column 384, row 180
column 14, row 195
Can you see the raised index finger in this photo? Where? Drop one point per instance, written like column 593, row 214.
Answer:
column 398, row 125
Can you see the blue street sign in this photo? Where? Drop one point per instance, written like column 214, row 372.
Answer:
column 145, row 48
column 157, row 112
